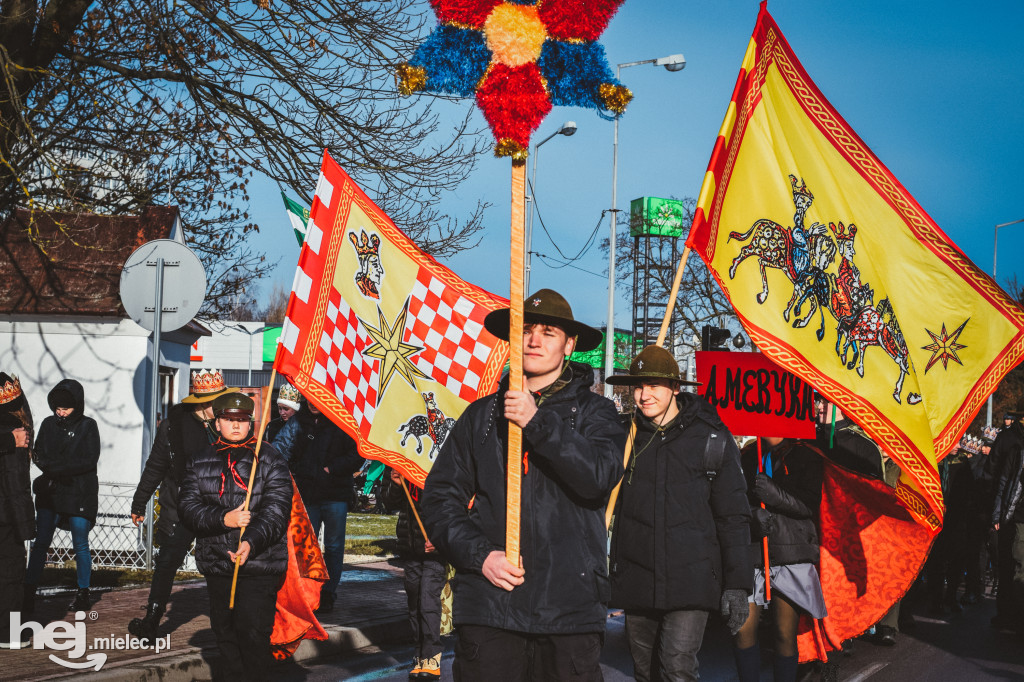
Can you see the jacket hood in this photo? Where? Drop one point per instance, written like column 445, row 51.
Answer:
column 71, row 387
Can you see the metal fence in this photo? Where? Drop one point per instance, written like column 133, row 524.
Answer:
column 114, row 541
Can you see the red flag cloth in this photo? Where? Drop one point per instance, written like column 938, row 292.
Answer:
column 872, row 548
column 300, row 593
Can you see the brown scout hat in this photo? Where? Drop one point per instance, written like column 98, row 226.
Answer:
column 546, row 307
column 653, row 362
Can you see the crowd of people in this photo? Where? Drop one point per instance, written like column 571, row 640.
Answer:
column 700, row 526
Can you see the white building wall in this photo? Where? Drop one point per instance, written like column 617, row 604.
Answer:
column 110, row 358
column 234, row 345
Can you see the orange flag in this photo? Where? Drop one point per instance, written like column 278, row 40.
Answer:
column 839, row 276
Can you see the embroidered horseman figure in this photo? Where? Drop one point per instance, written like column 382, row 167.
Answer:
column 434, row 425
column 371, row 272
column 776, row 246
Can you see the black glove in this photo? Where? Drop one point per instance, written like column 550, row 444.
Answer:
column 735, row 609
column 766, row 490
column 764, row 522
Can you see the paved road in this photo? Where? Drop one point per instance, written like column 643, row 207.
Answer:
column 960, row 647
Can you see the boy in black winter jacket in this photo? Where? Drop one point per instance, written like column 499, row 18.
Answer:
column 424, row 580
column 211, row 500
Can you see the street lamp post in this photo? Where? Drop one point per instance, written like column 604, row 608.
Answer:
column 568, row 129
column 995, row 258
column 675, row 62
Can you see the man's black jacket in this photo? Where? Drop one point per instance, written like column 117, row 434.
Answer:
column 15, row 489
column 680, row 536
column 214, row 484
column 1008, row 451
column 177, row 437
column 574, row 444
column 320, row 455
column 793, row 498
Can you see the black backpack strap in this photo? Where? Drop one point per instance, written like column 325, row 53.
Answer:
column 714, row 453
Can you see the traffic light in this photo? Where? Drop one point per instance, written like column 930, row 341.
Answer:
column 714, row 338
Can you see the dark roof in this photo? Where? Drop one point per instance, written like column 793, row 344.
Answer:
column 70, row 263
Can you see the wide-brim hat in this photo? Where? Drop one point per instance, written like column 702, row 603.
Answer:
column 206, row 385
column 653, row 362
column 546, row 307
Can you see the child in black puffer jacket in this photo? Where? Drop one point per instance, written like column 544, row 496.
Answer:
column 210, row 503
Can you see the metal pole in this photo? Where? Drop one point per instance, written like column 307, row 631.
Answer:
column 154, row 406
column 609, row 335
column 531, row 199
column 250, row 356
column 995, row 260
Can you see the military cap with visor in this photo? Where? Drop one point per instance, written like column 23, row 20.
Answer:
column 234, row 405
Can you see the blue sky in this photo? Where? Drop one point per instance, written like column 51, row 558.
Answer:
column 934, row 88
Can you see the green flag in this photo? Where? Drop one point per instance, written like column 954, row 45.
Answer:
column 299, row 217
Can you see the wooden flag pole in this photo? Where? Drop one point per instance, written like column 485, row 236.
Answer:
column 610, row 511
column 264, row 415
column 661, row 342
column 515, row 357
column 416, row 514
column 672, row 297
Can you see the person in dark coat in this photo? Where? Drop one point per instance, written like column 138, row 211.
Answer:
column 289, row 400
column 544, row 618
column 17, row 517
column 679, row 542
column 323, row 460
column 67, row 451
column 212, row 497
column 424, row 570
column 187, row 429
column 1008, row 520
column 784, row 500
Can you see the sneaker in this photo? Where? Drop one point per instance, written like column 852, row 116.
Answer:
column 885, row 635
column 326, row 604
column 417, row 668
column 81, row 602
column 430, row 668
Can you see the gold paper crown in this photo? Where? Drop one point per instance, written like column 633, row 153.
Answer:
column 843, row 232
column 365, row 246
column 289, row 393
column 801, row 188
column 10, row 391
column 206, row 381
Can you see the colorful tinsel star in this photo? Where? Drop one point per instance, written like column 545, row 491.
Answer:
column 519, row 58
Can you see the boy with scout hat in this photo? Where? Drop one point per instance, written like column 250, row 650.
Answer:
column 213, row 496
column 187, row 428
column 545, row 618
column 681, row 534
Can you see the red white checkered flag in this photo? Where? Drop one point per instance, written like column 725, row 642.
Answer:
column 382, row 338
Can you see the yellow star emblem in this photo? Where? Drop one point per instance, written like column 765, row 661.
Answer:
column 393, row 353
